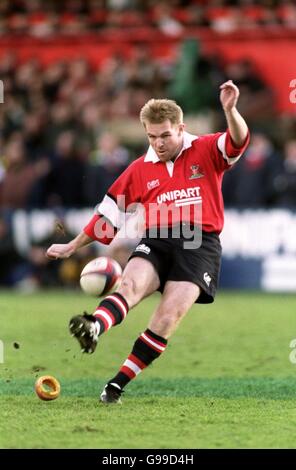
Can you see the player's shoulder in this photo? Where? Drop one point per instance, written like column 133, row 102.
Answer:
column 206, row 139
column 139, row 160
column 137, row 163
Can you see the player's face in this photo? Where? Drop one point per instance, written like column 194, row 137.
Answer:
column 166, row 139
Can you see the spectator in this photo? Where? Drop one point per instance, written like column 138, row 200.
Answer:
column 65, row 182
column 196, row 79
column 12, row 265
column 165, row 21
column 109, row 160
column 257, row 100
column 284, row 183
column 249, row 183
column 20, row 175
column 143, row 71
column 61, row 119
column 33, row 133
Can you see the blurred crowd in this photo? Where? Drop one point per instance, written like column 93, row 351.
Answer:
column 57, row 148
column 63, row 134
column 44, row 19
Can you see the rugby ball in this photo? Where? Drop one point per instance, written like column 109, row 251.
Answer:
column 100, row 276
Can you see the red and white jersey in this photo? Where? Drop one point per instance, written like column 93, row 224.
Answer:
column 186, row 190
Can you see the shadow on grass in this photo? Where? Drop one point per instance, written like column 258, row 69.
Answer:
column 257, row 387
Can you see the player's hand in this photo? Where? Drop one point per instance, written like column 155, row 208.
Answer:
column 229, row 95
column 63, row 250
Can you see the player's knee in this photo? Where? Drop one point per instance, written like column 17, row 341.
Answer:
column 175, row 309
column 131, row 291
column 176, row 315
column 168, row 320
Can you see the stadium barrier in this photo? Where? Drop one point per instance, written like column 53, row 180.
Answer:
column 259, row 246
column 259, row 250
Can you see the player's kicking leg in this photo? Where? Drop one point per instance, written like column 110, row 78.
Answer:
column 139, row 280
column 177, row 299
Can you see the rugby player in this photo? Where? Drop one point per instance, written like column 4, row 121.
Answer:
column 178, row 184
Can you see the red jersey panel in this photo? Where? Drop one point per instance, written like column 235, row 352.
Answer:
column 186, row 190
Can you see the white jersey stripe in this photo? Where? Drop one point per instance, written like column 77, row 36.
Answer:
column 119, row 303
column 157, row 346
column 186, row 199
column 188, row 203
column 131, row 365
column 222, row 148
column 109, row 208
column 104, row 315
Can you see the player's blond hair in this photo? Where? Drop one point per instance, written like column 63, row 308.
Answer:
column 158, row 111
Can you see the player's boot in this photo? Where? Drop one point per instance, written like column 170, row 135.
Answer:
column 111, row 394
column 86, row 329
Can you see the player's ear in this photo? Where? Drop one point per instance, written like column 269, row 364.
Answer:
column 181, row 128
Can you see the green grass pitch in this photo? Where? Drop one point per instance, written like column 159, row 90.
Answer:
column 225, row 380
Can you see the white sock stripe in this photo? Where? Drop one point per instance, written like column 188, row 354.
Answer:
column 119, row 303
column 160, row 348
column 107, row 317
column 97, row 328
column 131, row 365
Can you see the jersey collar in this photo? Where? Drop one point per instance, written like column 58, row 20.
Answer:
column 151, row 155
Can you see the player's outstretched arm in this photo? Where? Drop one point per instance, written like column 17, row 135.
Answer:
column 98, row 229
column 65, row 250
column 237, row 126
column 101, row 228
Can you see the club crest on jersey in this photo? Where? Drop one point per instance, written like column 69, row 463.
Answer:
column 195, row 173
column 153, row 184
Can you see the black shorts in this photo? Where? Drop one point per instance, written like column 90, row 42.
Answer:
column 174, row 263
